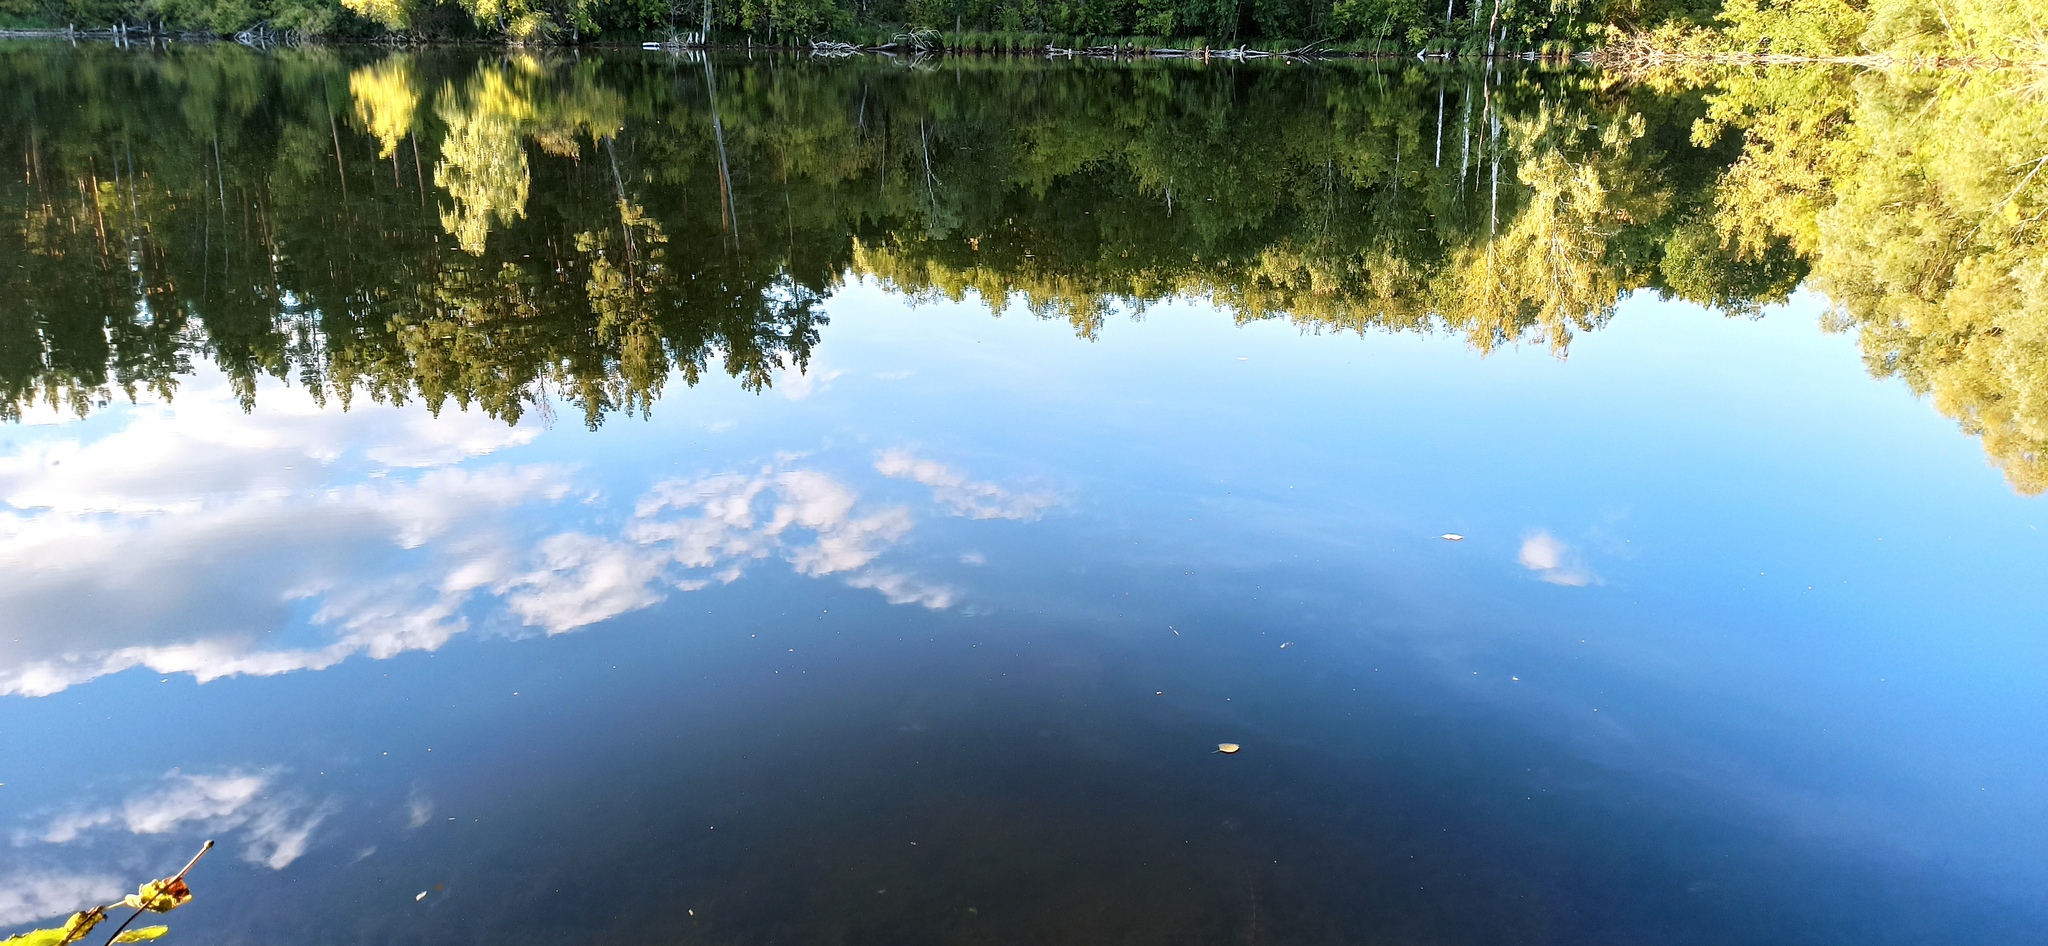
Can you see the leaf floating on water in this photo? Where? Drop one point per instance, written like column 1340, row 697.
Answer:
column 142, row 934
column 1227, row 747
column 1453, row 537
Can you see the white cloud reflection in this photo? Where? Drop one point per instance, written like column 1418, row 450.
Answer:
column 688, row 534
column 957, row 494
column 1554, row 562
column 26, row 896
column 275, row 827
column 192, row 537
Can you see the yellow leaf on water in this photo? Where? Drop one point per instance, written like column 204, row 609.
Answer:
column 1227, row 747
column 141, row 934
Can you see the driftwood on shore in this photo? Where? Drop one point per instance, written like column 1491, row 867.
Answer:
column 120, row 34
column 123, row 35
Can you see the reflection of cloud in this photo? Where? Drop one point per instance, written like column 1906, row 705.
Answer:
column 418, row 809
column 952, row 489
column 25, row 896
column 1553, row 562
column 278, row 836
column 582, row 579
column 276, row 827
column 131, row 579
column 904, row 589
column 188, row 798
column 799, row 383
column 185, row 537
column 688, row 534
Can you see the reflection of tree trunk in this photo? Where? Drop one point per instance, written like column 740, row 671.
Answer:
column 220, row 180
column 339, row 171
column 1439, row 123
column 206, row 238
column 924, row 137
column 134, row 208
column 728, row 211
column 1493, row 210
column 619, row 187
column 99, row 217
column 419, row 175
column 1465, row 138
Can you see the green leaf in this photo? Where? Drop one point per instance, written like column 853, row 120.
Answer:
column 36, row 938
column 141, row 934
column 74, row 929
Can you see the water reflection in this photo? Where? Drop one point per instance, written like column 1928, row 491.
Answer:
column 1593, row 720
column 187, row 538
column 510, row 232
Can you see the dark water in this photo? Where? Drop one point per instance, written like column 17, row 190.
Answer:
column 623, row 498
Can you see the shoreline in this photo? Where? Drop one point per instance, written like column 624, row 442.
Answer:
column 1629, row 54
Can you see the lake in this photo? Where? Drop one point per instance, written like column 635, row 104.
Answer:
column 778, row 499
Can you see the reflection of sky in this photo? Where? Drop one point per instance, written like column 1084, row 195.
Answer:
column 1711, row 556
column 191, row 537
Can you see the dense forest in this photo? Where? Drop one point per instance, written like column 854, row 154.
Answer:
column 514, row 233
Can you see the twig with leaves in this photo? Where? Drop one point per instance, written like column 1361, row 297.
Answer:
column 157, row 896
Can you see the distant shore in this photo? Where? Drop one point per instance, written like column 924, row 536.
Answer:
column 1630, row 51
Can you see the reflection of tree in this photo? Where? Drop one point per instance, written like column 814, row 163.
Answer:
column 1920, row 203
column 482, row 166
column 1505, row 214
column 385, row 101
column 626, row 267
column 1549, row 271
column 617, row 224
column 483, row 162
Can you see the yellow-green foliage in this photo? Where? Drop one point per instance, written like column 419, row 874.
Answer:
column 1920, row 201
column 483, row 164
column 1928, row 30
column 385, row 101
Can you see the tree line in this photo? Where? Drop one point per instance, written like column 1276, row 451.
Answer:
column 1968, row 29
column 512, row 233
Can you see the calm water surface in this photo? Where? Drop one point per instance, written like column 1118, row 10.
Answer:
column 631, row 499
